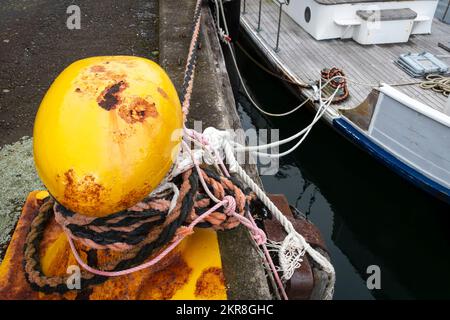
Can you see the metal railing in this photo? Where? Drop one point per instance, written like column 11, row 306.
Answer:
column 280, row 15
column 443, row 11
column 446, row 11
column 281, row 3
column 259, row 16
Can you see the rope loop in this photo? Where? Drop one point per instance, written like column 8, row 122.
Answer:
column 230, row 207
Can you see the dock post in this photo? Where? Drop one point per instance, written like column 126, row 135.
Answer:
column 244, row 7
column 259, row 17
column 277, row 49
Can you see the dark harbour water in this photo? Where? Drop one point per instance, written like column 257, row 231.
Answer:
column 366, row 213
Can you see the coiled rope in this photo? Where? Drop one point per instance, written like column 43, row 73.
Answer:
column 337, row 82
column 141, row 231
column 437, row 83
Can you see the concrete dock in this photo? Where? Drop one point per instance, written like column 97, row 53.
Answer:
column 36, row 45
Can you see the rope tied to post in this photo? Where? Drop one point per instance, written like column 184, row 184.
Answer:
column 192, row 195
column 138, row 233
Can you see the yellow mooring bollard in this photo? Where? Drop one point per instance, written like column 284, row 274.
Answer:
column 106, row 134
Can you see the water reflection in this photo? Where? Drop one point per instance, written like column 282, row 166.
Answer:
column 367, row 214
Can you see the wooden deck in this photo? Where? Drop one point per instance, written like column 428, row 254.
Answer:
column 302, row 57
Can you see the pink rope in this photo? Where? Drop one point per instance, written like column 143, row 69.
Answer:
column 271, row 264
column 258, row 234
column 229, row 204
column 159, row 257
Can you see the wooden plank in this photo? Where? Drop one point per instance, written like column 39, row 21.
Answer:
column 387, row 14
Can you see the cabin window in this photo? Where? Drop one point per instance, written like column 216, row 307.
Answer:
column 307, row 14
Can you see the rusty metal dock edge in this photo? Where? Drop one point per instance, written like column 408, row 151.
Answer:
column 212, row 103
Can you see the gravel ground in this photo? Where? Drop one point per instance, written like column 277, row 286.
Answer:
column 35, row 46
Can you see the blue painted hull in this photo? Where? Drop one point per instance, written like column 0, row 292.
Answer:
column 398, row 166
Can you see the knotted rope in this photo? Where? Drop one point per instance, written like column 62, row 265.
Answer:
column 200, row 197
column 138, row 234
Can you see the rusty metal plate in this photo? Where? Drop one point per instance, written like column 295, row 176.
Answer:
column 192, row 271
column 301, row 285
column 309, row 231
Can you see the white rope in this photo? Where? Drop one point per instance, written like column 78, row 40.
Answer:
column 290, row 255
column 294, row 245
column 222, row 34
column 163, row 188
column 293, row 248
column 310, row 99
column 324, row 105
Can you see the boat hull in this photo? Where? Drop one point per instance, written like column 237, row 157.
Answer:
column 406, row 171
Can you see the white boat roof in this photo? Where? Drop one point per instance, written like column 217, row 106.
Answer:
column 334, row 2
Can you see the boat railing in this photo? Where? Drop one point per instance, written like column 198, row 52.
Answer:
column 258, row 28
column 443, row 11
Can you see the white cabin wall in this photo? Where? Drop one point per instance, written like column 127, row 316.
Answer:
column 322, row 25
column 418, row 140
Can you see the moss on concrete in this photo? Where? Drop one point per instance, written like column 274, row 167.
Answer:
column 18, row 177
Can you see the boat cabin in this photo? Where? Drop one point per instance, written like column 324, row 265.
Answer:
column 365, row 21
column 395, row 56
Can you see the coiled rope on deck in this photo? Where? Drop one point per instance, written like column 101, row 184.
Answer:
column 437, row 83
column 336, row 81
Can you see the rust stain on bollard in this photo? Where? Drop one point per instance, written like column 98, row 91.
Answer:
column 194, row 263
column 162, row 285
column 210, row 283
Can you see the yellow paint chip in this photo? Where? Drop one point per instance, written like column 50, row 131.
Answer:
column 41, row 195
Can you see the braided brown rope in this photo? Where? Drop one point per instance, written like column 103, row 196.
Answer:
column 340, row 83
column 188, row 81
column 221, row 187
column 191, row 203
column 32, row 265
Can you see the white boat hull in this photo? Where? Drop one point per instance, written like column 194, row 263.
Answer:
column 411, row 138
